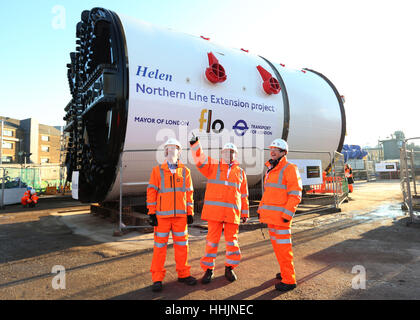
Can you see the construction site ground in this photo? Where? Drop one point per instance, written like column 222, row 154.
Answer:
column 334, row 253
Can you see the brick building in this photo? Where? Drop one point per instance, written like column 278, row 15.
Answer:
column 21, row 137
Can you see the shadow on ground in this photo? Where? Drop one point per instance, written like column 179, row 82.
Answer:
column 389, row 257
column 23, row 240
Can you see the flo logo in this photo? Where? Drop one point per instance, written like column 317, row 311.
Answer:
column 217, row 126
column 240, row 127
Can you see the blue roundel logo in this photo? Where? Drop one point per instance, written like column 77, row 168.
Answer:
column 240, row 127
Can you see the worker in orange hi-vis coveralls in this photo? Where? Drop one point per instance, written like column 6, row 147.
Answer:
column 25, row 197
column 282, row 194
column 348, row 172
column 29, row 198
column 171, row 208
column 225, row 204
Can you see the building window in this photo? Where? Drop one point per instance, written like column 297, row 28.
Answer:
column 45, row 148
column 7, row 133
column 45, row 138
column 45, row 160
column 6, row 159
column 7, row 145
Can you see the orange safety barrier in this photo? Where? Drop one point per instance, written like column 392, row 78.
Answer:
column 327, row 185
column 51, row 190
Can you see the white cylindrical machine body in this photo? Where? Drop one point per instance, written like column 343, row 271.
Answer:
column 170, row 96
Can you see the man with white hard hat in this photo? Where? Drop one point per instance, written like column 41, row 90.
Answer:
column 171, row 208
column 282, row 194
column 225, row 205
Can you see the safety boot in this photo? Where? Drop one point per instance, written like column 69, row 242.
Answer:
column 208, row 276
column 191, row 281
column 157, row 286
column 229, row 274
column 284, row 286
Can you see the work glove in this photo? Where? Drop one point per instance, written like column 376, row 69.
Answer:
column 190, row 219
column 193, row 140
column 285, row 221
column 244, row 219
column 153, row 220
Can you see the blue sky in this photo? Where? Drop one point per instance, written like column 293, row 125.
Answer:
column 368, row 49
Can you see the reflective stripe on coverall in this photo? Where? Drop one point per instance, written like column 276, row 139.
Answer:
column 282, row 194
column 170, row 197
column 225, row 203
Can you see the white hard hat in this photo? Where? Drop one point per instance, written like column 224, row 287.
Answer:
column 279, row 143
column 174, row 142
column 33, row 191
column 230, row 146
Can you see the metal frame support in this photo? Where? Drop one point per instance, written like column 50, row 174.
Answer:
column 122, row 184
column 407, row 195
column 413, row 170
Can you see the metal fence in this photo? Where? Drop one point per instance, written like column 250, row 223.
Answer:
column 333, row 183
column 38, row 177
column 363, row 169
column 370, row 170
column 409, row 179
column 337, row 185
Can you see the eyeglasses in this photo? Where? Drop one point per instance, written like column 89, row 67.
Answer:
column 277, row 149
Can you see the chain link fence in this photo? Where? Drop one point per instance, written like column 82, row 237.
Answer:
column 39, row 177
column 363, row 169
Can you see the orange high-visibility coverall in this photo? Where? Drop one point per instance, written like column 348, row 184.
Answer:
column 282, row 194
column 225, row 203
column 28, row 198
column 349, row 175
column 170, row 197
